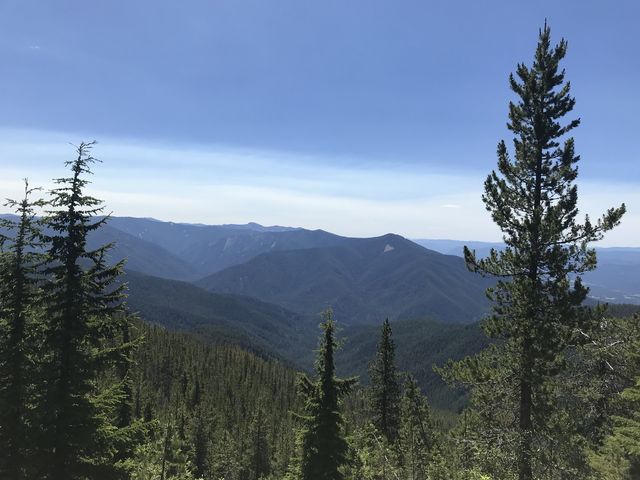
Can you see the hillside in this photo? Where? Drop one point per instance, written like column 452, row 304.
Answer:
column 210, row 248
column 212, row 394
column 275, row 333
column 267, row 329
column 363, row 280
column 141, row 255
column 420, row 345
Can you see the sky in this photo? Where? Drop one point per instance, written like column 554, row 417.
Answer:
column 359, row 117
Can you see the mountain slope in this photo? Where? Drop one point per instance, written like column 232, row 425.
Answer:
column 363, row 280
column 420, row 345
column 221, row 319
column 211, row 248
column 141, row 255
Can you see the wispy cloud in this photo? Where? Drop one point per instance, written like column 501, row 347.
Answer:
column 226, row 185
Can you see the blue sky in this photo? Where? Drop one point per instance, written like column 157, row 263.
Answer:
column 359, row 117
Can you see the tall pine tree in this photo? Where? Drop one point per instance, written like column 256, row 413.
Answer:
column 385, row 387
column 19, row 310
column 324, row 448
column 538, row 296
column 84, row 321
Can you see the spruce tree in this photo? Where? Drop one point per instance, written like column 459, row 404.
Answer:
column 84, row 320
column 385, row 387
column 324, row 448
column 538, row 298
column 19, row 311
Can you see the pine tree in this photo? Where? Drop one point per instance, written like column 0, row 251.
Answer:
column 324, row 448
column 385, row 387
column 84, row 319
column 19, row 309
column 533, row 199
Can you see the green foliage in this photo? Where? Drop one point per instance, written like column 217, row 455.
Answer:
column 373, row 456
column 538, row 312
column 417, row 436
column 324, row 448
column 20, row 309
column 619, row 457
column 385, row 387
column 420, row 345
column 215, row 397
column 65, row 394
column 84, row 318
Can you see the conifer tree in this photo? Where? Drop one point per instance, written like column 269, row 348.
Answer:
column 416, row 430
column 260, row 457
column 385, row 387
column 324, row 448
column 619, row 458
column 84, row 319
column 538, row 298
column 200, row 442
column 19, row 310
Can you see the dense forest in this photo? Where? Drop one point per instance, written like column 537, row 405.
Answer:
column 90, row 391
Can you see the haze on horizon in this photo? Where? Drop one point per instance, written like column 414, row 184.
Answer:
column 360, row 119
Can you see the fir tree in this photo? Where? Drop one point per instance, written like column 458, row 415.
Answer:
column 19, row 309
column 84, row 320
column 533, row 199
column 385, row 388
column 324, row 448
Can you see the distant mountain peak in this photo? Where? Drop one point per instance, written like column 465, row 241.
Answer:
column 260, row 228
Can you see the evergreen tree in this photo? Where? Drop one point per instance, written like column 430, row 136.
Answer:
column 385, row 387
column 324, row 448
column 416, row 431
column 84, row 319
column 259, row 446
column 19, row 309
column 538, row 296
column 619, row 458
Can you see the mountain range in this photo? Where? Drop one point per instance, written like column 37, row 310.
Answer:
column 263, row 288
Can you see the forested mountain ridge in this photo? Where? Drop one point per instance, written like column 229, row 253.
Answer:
column 211, row 248
column 363, row 280
column 264, row 328
column 193, row 252
column 275, row 333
